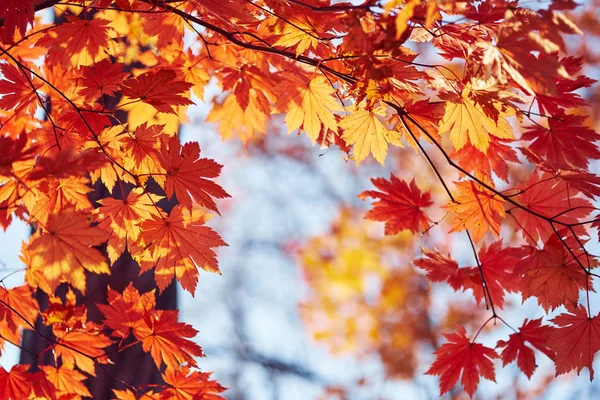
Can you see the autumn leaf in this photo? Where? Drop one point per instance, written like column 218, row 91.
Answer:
column 549, row 198
column 80, row 41
column 399, row 205
column 556, row 143
column 18, row 89
column 66, row 379
column 576, row 340
column 552, row 275
column 308, row 103
column 102, row 78
column 441, row 267
column 185, row 383
column 168, row 340
column 476, row 209
column 467, row 122
column 25, row 306
column 121, row 219
column 367, row 134
column 158, row 87
column 179, row 244
column 83, row 348
column 64, row 250
column 16, row 15
column 465, row 359
column 16, row 384
column 532, row 332
column 186, row 175
column 126, row 312
column 300, row 34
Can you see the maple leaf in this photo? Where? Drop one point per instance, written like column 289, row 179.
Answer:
column 535, row 334
column 143, row 149
column 21, row 300
column 476, row 209
column 462, row 358
column 18, row 89
column 102, row 78
column 399, row 205
column 125, row 312
column 549, row 198
column 308, row 103
column 121, row 219
column 168, row 340
column 576, row 340
column 16, row 384
column 66, row 379
column 467, row 121
column 64, row 250
column 16, row 15
column 158, row 87
column 83, row 348
column 551, row 275
column 80, row 41
column 179, row 244
column 367, row 134
column 443, row 268
column 556, row 143
column 301, row 34
column 497, row 266
column 186, row 173
column 483, row 164
column 185, row 383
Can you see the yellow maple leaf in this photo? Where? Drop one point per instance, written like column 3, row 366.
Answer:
column 367, row 134
column 308, row 103
column 232, row 119
column 477, row 209
column 404, row 15
column 301, row 34
column 467, row 121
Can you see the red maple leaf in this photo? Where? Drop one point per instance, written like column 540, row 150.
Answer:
column 548, row 198
column 16, row 384
column 564, row 133
column 576, row 340
column 551, row 275
column 462, row 358
column 399, row 206
column 186, row 175
column 102, row 78
column 17, row 14
column 160, row 88
column 536, row 335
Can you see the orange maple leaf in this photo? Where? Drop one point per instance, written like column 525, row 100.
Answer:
column 185, row 384
column 121, row 219
column 66, row 379
column 125, row 312
column 168, row 340
column 178, row 245
column 64, row 250
column 476, row 209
